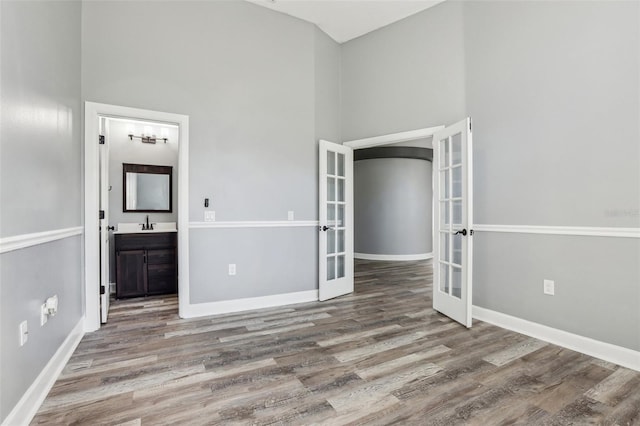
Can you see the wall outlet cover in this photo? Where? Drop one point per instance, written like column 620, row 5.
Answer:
column 290, row 215
column 232, row 269
column 209, row 216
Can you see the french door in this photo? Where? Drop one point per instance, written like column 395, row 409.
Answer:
column 453, row 221
column 336, row 220
column 104, row 221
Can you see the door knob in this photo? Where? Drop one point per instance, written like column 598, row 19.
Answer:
column 325, row 228
column 111, row 228
column 463, row 232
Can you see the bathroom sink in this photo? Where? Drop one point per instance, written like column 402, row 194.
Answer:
column 133, row 228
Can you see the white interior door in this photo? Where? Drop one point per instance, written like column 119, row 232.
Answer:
column 336, row 220
column 104, row 223
column 453, row 221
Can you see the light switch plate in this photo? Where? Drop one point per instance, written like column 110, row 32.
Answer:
column 290, row 215
column 232, row 269
column 209, row 216
column 549, row 287
column 43, row 314
column 24, row 333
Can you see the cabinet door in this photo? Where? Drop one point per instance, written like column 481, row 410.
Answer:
column 161, row 271
column 131, row 269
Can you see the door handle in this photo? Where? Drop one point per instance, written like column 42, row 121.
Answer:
column 111, row 228
column 463, row 232
column 325, row 228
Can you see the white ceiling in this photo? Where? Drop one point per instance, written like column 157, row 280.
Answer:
column 344, row 20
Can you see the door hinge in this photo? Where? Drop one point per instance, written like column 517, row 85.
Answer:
column 102, row 291
column 101, row 214
column 469, row 125
column 101, row 139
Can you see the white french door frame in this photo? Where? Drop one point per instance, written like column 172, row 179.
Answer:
column 93, row 111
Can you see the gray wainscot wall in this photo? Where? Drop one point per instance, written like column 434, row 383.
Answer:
column 253, row 83
column 545, row 83
column 40, row 185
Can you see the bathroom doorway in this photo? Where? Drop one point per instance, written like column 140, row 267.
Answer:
column 136, row 194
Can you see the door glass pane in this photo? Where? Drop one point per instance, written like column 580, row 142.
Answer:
column 457, row 181
column 444, row 184
column 456, row 282
column 340, row 189
column 444, row 278
column 340, row 237
column 331, row 241
column 457, row 212
column 444, row 214
column 340, row 267
column 340, row 215
column 331, row 189
column 456, row 149
column 331, row 214
column 457, row 249
column 340, row 164
column 444, row 153
column 444, row 246
column 331, row 268
column 331, row 163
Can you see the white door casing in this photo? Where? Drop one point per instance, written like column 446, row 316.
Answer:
column 336, row 220
column 453, row 221
column 104, row 222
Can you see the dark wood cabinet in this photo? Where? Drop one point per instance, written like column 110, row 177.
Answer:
column 146, row 264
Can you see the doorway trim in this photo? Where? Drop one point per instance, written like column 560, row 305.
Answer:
column 92, row 111
column 391, row 138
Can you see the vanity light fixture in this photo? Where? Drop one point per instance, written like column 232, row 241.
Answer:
column 146, row 138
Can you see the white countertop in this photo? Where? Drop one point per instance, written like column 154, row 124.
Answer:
column 136, row 228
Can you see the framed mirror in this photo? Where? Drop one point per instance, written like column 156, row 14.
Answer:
column 147, row 188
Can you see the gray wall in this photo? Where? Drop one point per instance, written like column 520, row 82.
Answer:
column 393, row 206
column 405, row 76
column 40, row 183
column 124, row 150
column 553, row 90
column 247, row 80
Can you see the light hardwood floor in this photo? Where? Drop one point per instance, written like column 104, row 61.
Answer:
column 379, row 356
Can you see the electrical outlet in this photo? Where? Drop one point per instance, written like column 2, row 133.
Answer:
column 24, row 333
column 290, row 215
column 232, row 269
column 209, row 216
column 43, row 314
column 549, row 287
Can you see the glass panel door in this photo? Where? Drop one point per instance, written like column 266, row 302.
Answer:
column 453, row 219
column 336, row 217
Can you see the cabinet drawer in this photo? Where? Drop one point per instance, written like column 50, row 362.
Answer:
column 154, row 271
column 139, row 241
column 159, row 257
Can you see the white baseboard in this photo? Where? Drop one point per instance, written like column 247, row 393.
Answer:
column 606, row 351
column 28, row 406
column 247, row 304
column 366, row 256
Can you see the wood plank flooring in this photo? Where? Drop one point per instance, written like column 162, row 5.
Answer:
column 379, row 356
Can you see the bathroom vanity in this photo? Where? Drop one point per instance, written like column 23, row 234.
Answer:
column 146, row 261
